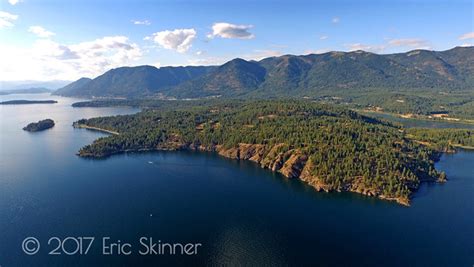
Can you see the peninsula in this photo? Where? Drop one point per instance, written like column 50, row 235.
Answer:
column 328, row 147
column 25, row 102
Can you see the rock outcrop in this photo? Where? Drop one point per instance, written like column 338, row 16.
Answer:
column 291, row 163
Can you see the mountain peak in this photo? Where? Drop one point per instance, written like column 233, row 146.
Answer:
column 235, row 62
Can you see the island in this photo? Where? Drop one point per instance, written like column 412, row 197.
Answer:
column 328, row 147
column 25, row 102
column 39, row 126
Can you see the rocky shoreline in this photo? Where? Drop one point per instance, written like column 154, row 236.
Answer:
column 291, row 163
column 294, row 164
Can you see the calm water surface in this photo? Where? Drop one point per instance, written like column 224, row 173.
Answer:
column 238, row 211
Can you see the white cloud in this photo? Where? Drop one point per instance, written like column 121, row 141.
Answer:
column 335, row 20
column 260, row 54
column 13, row 2
column 141, row 22
column 208, row 60
column 257, row 54
column 229, row 31
column 469, row 35
column 317, row 51
column 6, row 19
column 179, row 39
column 365, row 47
column 45, row 48
column 49, row 60
column 323, row 37
column 413, row 43
column 201, row 58
column 40, row 32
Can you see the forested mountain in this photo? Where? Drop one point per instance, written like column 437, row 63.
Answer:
column 74, row 89
column 236, row 77
column 132, row 81
column 298, row 76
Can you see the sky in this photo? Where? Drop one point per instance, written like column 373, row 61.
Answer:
column 69, row 39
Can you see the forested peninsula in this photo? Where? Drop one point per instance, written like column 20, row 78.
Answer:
column 328, row 147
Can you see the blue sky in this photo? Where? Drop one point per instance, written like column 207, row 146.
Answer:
column 46, row 40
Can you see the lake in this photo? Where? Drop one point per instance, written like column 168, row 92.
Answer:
column 240, row 213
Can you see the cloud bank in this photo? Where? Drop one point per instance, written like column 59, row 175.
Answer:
column 49, row 60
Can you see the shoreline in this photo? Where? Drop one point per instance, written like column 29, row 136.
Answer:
column 84, row 126
column 464, row 147
column 230, row 154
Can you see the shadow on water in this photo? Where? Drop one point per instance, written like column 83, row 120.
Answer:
column 164, row 159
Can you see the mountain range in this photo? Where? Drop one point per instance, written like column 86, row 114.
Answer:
column 289, row 75
column 29, row 84
column 33, row 90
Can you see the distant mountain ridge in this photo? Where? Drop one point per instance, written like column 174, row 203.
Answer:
column 27, row 84
column 132, row 81
column 33, row 90
column 288, row 75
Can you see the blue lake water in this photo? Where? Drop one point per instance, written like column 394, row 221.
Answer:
column 240, row 213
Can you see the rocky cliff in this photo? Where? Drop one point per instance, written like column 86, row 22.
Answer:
column 291, row 163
